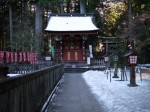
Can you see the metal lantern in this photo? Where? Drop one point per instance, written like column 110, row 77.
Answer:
column 115, row 58
column 132, row 59
column 106, row 58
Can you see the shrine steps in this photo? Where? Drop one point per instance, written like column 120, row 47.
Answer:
column 80, row 67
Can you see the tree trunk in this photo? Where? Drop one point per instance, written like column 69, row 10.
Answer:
column 82, row 6
column 10, row 27
column 62, row 8
column 38, row 31
column 68, row 6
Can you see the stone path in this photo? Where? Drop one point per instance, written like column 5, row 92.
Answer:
column 73, row 95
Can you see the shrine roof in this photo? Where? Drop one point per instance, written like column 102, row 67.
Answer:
column 81, row 23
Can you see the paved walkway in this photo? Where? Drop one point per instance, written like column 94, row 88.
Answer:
column 75, row 94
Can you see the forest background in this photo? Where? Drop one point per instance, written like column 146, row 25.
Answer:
column 22, row 23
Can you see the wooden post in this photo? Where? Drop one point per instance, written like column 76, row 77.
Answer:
column 132, row 77
column 106, row 47
column 83, row 48
column 61, row 53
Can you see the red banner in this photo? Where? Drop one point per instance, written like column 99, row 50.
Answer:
column 20, row 57
column 7, row 56
column 15, row 57
column 24, row 56
column 31, row 58
column 1, row 57
column 35, row 58
column 28, row 56
column 12, row 57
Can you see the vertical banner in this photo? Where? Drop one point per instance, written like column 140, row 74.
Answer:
column 88, row 61
column 52, row 52
column 1, row 57
column 31, row 58
column 20, row 56
column 15, row 57
column 90, row 49
column 27, row 56
column 12, row 57
column 24, row 56
column 7, row 56
column 36, row 59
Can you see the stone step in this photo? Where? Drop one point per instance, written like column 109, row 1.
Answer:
column 81, row 70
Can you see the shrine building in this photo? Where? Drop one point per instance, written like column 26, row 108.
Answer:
column 68, row 34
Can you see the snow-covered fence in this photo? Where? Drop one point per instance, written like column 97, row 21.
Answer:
column 28, row 92
column 98, row 64
column 16, row 68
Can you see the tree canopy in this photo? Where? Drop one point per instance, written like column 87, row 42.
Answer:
column 111, row 17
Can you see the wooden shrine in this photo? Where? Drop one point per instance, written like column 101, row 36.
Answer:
column 68, row 34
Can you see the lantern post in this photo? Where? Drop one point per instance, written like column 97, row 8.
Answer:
column 106, row 59
column 115, row 59
column 132, row 59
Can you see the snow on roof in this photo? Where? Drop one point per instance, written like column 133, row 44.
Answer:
column 71, row 24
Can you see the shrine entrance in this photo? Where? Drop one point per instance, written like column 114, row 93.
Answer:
column 72, row 31
column 72, row 48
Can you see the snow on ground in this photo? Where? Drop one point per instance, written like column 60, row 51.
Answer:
column 13, row 75
column 116, row 96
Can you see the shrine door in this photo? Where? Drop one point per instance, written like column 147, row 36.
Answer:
column 72, row 49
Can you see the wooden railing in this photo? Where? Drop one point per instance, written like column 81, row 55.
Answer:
column 16, row 68
column 97, row 62
column 28, row 92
